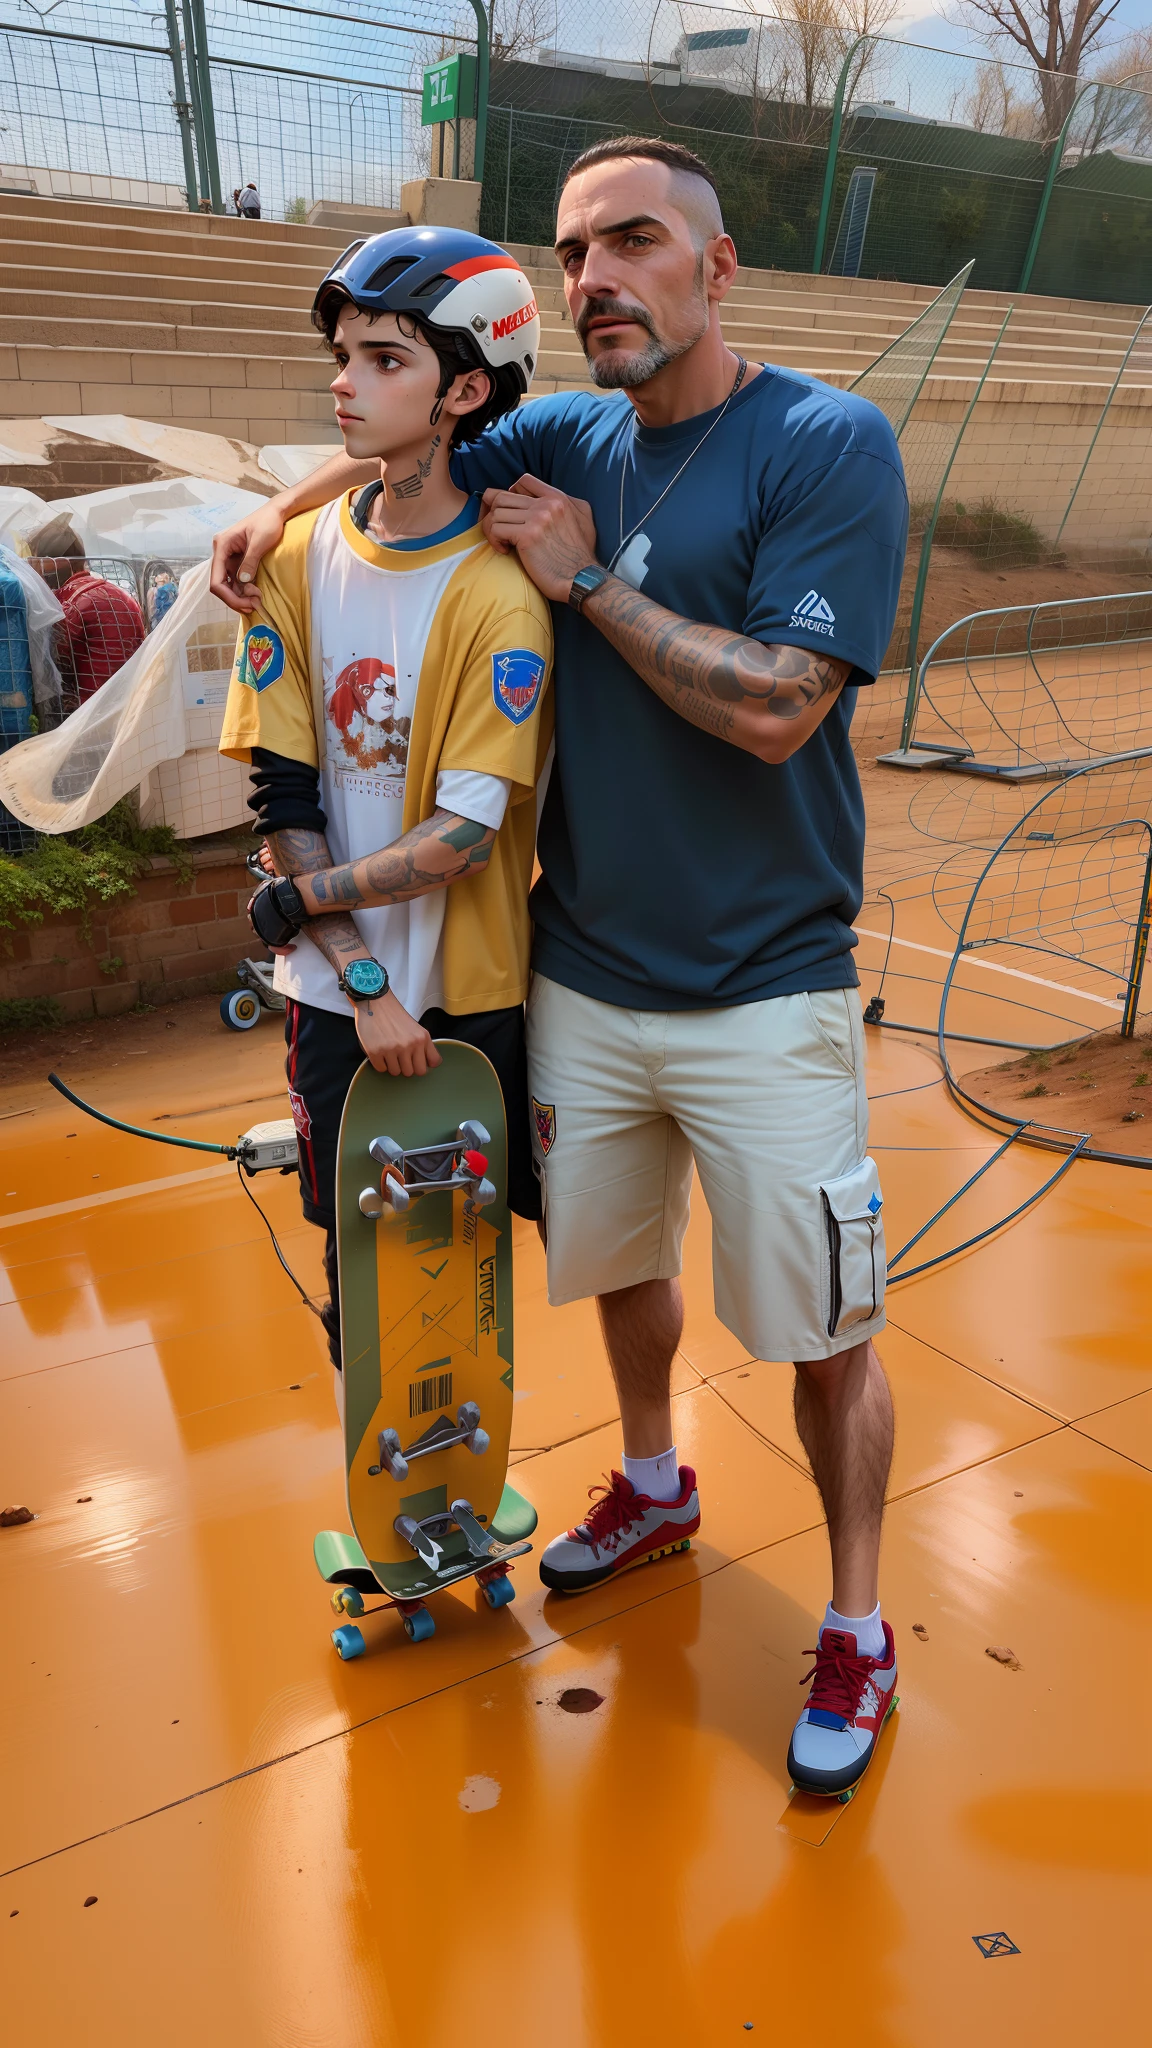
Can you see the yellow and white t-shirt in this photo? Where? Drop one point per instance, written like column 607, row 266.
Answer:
column 410, row 677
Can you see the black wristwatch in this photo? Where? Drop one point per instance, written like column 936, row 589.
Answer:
column 584, row 583
column 363, row 979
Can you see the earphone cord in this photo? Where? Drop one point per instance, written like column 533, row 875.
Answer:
column 626, row 537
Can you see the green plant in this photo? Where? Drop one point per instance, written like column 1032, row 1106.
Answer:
column 296, row 210
column 961, row 216
column 998, row 537
column 30, row 1013
column 71, row 870
column 112, row 965
column 1039, row 1089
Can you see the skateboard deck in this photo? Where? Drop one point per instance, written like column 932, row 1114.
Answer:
column 425, row 1259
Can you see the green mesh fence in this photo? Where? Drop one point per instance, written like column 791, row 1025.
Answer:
column 871, row 157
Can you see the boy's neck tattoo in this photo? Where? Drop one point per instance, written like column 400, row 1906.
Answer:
column 411, row 486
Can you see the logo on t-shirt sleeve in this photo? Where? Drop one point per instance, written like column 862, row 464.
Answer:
column 262, row 661
column 517, row 680
column 815, row 613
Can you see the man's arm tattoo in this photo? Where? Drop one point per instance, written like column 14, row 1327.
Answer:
column 300, row 853
column 723, row 682
column 440, row 850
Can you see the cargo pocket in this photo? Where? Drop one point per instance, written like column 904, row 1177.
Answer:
column 854, row 1235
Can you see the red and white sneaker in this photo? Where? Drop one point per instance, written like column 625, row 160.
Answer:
column 624, row 1528
column 851, row 1698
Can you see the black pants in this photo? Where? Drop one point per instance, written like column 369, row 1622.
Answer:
column 323, row 1055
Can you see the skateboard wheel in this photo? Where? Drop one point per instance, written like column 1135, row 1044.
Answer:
column 478, row 1442
column 346, row 1600
column 417, row 1627
column 498, row 1592
column 348, row 1643
column 240, row 1009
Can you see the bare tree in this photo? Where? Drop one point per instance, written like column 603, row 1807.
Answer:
column 994, row 105
column 519, row 27
column 810, row 45
column 1057, row 35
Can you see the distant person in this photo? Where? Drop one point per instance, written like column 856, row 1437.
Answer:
column 248, row 204
column 236, row 197
column 102, row 626
column 15, row 692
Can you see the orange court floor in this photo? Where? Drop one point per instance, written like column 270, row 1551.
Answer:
column 214, row 1831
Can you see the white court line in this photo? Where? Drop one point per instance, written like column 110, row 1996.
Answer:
column 140, row 1187
column 992, row 967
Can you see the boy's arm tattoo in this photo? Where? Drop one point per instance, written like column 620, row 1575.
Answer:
column 725, row 683
column 300, row 853
column 443, row 849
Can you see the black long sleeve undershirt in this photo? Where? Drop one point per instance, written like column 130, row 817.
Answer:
column 285, row 794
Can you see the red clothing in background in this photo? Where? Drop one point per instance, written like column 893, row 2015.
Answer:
column 101, row 628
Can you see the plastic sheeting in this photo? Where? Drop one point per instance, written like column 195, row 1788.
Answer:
column 43, row 612
column 21, row 513
column 165, row 703
column 175, row 518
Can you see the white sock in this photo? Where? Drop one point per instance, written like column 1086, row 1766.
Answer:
column 658, row 1477
column 865, row 1627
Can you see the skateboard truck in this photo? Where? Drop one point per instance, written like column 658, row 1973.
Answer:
column 490, row 1553
column 459, row 1162
column 427, row 1549
column 441, row 1437
column 480, row 1541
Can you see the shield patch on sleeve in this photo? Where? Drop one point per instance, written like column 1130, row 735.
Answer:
column 262, row 661
column 517, row 680
column 544, row 1114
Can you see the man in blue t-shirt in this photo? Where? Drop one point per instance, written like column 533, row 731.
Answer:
column 722, row 546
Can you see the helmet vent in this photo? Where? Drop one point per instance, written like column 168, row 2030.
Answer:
column 388, row 273
column 431, row 286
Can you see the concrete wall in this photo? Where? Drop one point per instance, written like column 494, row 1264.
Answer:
column 1026, row 447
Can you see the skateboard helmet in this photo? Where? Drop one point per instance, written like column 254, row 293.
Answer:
column 470, row 299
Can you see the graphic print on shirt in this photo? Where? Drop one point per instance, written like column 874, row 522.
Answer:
column 367, row 736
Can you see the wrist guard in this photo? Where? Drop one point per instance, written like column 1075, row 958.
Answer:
column 276, row 912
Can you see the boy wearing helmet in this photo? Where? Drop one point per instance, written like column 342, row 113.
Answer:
column 390, row 696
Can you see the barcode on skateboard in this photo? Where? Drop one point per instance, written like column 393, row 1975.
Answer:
column 424, row 1396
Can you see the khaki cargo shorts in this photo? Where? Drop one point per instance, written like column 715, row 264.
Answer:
column 768, row 1100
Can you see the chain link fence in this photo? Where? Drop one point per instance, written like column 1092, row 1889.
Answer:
column 859, row 156
column 306, row 102
column 867, row 157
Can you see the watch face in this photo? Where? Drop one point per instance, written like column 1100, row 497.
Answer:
column 365, row 978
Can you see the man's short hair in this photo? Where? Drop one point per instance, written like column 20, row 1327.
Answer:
column 652, row 147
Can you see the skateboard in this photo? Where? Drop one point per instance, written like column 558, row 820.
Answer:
column 424, row 1245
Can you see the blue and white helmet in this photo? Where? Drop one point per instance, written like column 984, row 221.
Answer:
column 469, row 287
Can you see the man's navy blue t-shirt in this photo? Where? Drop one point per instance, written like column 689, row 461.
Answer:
column 679, row 872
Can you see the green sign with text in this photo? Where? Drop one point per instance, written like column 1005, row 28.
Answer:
column 449, row 89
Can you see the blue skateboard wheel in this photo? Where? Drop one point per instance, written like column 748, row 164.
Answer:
column 240, row 1010
column 349, row 1642
column 418, row 1627
column 498, row 1592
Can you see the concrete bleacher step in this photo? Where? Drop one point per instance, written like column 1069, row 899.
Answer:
column 204, row 321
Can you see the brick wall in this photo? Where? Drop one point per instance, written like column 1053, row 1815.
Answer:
column 173, row 938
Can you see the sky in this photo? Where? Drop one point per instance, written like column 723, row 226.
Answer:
column 914, row 25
